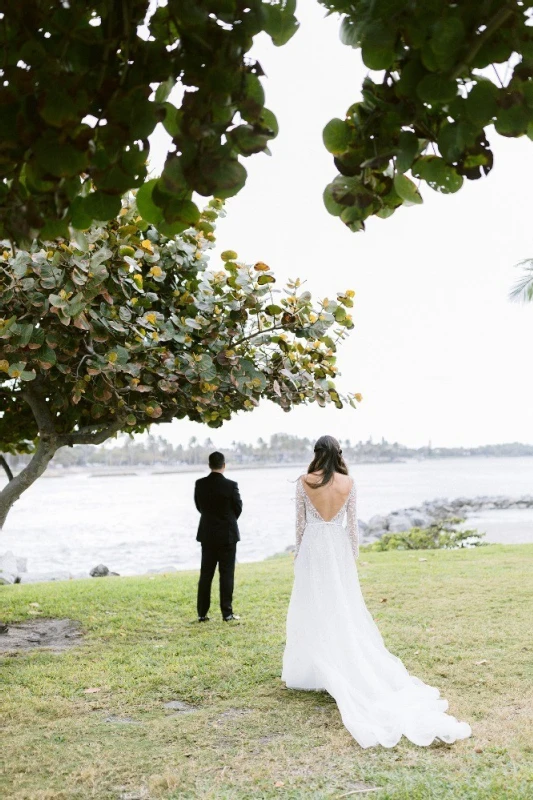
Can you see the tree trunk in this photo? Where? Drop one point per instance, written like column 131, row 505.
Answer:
column 6, row 468
column 11, row 492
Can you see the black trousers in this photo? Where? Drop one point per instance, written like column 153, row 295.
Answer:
column 224, row 556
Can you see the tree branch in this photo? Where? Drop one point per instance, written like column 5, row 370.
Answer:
column 34, row 397
column 87, row 436
column 499, row 18
column 7, row 469
column 277, row 327
column 38, row 464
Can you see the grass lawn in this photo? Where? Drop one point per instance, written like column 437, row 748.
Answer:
column 460, row 620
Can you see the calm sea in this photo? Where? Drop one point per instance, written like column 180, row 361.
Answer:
column 134, row 523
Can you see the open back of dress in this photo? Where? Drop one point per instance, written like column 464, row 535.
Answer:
column 333, row 643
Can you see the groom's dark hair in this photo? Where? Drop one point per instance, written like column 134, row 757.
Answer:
column 216, row 460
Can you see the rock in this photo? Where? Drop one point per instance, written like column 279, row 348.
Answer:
column 420, row 520
column 42, row 577
column 100, row 571
column 180, row 706
column 377, row 524
column 363, row 527
column 8, row 569
column 161, row 571
column 399, row 523
column 22, row 565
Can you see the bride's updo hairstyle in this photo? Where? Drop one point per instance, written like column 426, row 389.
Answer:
column 328, row 460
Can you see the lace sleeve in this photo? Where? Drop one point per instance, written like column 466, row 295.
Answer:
column 300, row 515
column 351, row 521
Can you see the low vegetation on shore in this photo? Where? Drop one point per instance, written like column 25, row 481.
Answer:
column 93, row 721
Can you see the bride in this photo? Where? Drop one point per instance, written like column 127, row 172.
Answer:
column 333, row 643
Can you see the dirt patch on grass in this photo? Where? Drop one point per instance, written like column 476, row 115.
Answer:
column 56, row 635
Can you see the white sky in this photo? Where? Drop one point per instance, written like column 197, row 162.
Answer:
column 438, row 351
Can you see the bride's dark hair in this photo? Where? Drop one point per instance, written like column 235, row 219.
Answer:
column 327, row 459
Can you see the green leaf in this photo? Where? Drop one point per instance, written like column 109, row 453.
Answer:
column 350, row 33
column 268, row 120
column 145, row 203
column 16, row 370
column 273, row 310
column 333, row 208
column 438, row 174
column 172, row 120
column 61, row 160
column 183, row 211
column 20, row 264
column 406, row 189
column 79, row 217
column 221, row 178
column 163, row 90
column 247, row 140
column 447, row 40
column 101, row 206
column 46, row 357
column 352, row 219
column 378, row 46
column 279, row 22
column 407, row 149
column 263, row 279
column 54, row 229
column 436, row 89
column 481, row 102
column 28, row 375
column 337, row 136
column 454, row 138
column 172, row 229
column 514, row 120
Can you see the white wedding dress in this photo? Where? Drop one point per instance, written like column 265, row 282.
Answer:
column 333, row 643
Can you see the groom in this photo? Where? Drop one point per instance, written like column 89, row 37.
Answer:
column 220, row 505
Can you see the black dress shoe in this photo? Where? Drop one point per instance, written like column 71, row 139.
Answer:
column 203, row 619
column 231, row 616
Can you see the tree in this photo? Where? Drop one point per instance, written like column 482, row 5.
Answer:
column 77, row 106
column 523, row 288
column 124, row 327
column 427, row 111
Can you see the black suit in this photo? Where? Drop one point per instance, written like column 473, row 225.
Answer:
column 220, row 505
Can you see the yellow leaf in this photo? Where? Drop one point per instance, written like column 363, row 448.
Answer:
column 146, row 244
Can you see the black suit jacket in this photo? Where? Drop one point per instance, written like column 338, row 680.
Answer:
column 220, row 505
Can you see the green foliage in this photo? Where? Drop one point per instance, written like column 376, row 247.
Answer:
column 429, row 111
column 76, row 104
column 439, row 536
column 523, row 288
column 126, row 326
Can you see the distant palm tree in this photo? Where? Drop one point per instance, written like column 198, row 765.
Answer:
column 523, row 288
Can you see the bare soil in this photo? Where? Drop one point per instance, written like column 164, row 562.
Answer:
column 56, row 635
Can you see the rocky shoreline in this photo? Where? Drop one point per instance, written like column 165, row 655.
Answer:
column 15, row 570
column 435, row 510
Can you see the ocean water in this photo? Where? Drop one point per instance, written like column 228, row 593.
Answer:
column 134, row 523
